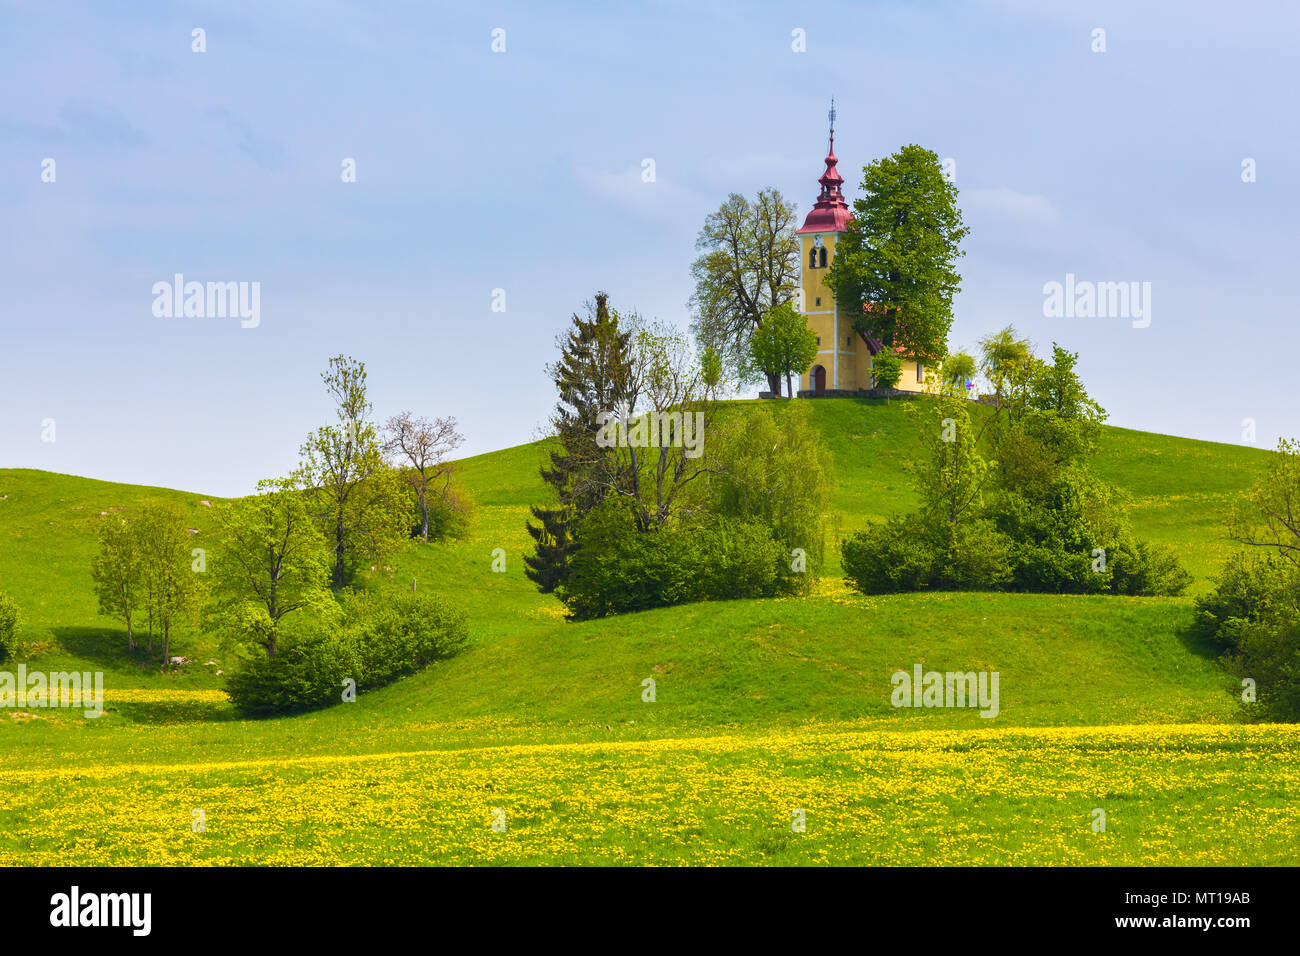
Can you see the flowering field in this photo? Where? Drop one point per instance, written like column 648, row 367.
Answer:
column 1170, row 794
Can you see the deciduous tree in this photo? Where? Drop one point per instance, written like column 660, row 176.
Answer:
column 174, row 591
column 270, row 560
column 658, row 439
column 118, row 574
column 784, row 345
column 886, row 369
column 957, row 370
column 748, row 264
column 898, row 255
column 1268, row 518
column 355, row 498
column 1008, row 363
column 420, row 448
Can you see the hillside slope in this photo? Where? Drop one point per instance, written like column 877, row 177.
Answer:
column 1064, row 660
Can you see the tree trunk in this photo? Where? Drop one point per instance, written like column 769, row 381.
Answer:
column 167, row 644
column 130, row 635
column 424, row 519
column 774, row 384
column 338, row 555
column 789, row 386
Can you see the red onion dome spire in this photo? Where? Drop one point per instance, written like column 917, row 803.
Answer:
column 831, row 212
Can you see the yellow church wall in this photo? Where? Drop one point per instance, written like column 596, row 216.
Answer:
column 862, row 366
column 835, row 352
column 846, row 350
column 907, row 382
column 811, row 280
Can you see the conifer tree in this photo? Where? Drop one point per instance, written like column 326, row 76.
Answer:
column 593, row 375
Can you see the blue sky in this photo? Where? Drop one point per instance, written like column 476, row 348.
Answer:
column 521, row 171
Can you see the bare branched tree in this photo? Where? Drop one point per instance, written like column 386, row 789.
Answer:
column 419, row 449
column 655, row 448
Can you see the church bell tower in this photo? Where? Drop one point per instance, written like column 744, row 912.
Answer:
column 836, row 367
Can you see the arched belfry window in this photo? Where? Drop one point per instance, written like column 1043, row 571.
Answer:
column 821, row 257
column 812, row 258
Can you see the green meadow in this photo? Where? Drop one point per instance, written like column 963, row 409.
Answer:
column 770, row 739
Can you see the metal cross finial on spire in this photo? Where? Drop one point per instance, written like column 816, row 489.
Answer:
column 831, row 114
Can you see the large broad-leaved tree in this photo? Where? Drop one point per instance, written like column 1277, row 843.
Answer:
column 895, row 267
column 748, row 264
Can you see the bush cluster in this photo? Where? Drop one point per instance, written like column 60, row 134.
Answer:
column 376, row 641
column 905, row 553
column 1031, row 516
column 618, row 569
column 1252, row 618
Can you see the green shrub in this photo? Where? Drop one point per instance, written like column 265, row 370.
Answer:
column 1049, row 567
column 10, row 621
column 1138, row 567
column 889, row 558
column 1053, row 535
column 634, row 572
column 775, row 474
column 977, row 557
column 451, row 516
column 619, row 569
column 1253, row 617
column 886, row 369
column 907, row 553
column 381, row 638
column 1250, row 590
column 311, row 664
column 741, row 559
column 1073, row 538
column 397, row 636
column 1270, row 655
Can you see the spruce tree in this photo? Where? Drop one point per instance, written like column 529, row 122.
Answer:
column 593, row 375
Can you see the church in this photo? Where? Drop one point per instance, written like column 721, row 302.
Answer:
column 844, row 359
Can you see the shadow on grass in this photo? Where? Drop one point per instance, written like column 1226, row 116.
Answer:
column 182, row 712
column 108, row 646
column 1197, row 641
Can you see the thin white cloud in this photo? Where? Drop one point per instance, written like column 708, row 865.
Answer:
column 661, row 200
column 1008, row 203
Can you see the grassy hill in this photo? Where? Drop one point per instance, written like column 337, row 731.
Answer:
column 538, row 708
